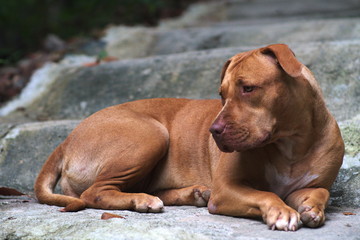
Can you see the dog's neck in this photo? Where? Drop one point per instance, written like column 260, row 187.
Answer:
column 312, row 127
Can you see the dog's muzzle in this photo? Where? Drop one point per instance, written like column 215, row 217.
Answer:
column 228, row 137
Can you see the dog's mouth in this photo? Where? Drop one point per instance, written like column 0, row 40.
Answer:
column 224, row 148
column 229, row 143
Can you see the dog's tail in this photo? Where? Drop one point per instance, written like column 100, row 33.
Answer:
column 46, row 182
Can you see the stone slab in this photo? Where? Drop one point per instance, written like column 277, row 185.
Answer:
column 346, row 188
column 134, row 42
column 35, row 221
column 261, row 11
column 76, row 92
column 242, row 9
column 24, row 149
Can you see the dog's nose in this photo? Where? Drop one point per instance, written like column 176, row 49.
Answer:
column 217, row 128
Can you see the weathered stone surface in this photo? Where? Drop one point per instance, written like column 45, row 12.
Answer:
column 346, row 189
column 205, row 14
column 35, row 221
column 351, row 134
column 239, row 9
column 40, row 81
column 164, row 41
column 198, row 14
column 129, row 42
column 337, row 69
column 79, row 91
column 24, row 149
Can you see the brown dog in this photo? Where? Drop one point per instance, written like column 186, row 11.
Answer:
column 280, row 149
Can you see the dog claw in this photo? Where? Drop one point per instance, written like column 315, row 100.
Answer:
column 148, row 204
column 283, row 219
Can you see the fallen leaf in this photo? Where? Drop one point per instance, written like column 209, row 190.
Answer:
column 91, row 64
column 107, row 215
column 348, row 213
column 109, row 59
column 99, row 60
column 10, row 192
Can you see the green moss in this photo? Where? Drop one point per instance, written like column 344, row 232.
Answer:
column 351, row 135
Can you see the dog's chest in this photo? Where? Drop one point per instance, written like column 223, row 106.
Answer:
column 283, row 184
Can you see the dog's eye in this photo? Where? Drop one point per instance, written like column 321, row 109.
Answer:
column 247, row 89
column 222, row 98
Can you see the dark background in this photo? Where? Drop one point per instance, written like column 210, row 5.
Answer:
column 25, row 23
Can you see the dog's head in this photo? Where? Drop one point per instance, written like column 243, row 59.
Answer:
column 263, row 94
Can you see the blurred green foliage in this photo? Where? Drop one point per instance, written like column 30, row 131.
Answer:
column 25, row 23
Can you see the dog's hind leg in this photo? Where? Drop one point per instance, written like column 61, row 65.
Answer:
column 104, row 196
column 125, row 164
column 196, row 195
column 112, row 189
column 113, row 186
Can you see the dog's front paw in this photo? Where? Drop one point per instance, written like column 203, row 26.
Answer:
column 311, row 216
column 282, row 218
column 201, row 195
column 148, row 203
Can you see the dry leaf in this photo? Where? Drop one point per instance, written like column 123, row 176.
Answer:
column 348, row 213
column 109, row 59
column 91, row 64
column 4, row 191
column 107, row 215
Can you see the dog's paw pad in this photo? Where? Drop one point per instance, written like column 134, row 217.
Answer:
column 311, row 216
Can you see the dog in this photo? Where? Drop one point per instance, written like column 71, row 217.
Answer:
column 272, row 152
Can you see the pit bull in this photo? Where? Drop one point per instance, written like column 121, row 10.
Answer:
column 272, row 152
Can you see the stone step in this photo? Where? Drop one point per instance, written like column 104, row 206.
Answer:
column 240, row 9
column 262, row 11
column 24, row 148
column 133, row 42
column 29, row 220
column 75, row 92
column 347, row 185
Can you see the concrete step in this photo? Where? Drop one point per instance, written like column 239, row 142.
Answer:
column 240, row 9
column 75, row 92
column 177, row 41
column 262, row 11
column 24, row 149
column 134, row 42
column 46, row 222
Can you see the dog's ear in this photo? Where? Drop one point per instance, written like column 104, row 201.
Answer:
column 285, row 57
column 223, row 71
